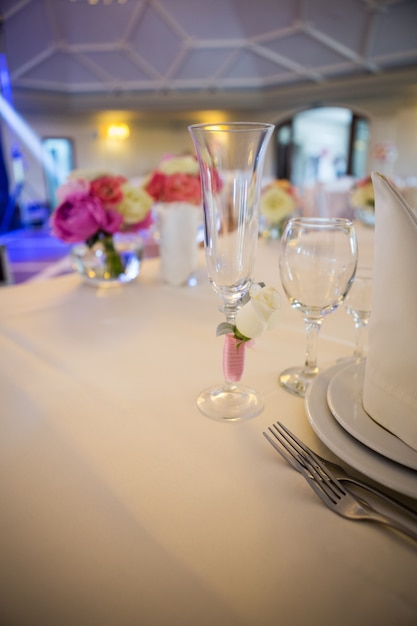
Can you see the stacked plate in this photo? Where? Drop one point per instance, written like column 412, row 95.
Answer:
column 334, row 409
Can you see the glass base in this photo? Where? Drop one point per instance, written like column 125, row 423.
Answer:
column 230, row 403
column 296, row 380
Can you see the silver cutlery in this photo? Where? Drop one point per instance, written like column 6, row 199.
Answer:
column 325, row 484
column 343, row 476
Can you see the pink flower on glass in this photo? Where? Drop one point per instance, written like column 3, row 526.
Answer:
column 233, row 358
column 107, row 189
column 80, row 217
column 182, row 188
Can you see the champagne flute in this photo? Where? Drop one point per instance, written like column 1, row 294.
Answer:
column 358, row 304
column 231, row 157
column 318, row 259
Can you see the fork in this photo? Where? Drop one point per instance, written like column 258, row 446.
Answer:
column 343, row 476
column 323, row 482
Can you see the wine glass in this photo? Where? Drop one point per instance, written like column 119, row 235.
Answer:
column 318, row 259
column 231, row 157
column 358, row 304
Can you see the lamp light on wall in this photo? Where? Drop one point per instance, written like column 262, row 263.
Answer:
column 118, row 131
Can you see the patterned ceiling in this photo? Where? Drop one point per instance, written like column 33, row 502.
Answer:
column 142, row 53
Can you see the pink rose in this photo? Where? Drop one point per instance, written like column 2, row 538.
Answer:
column 107, row 189
column 155, row 186
column 142, row 225
column 182, row 188
column 73, row 187
column 212, row 178
column 111, row 221
column 80, row 217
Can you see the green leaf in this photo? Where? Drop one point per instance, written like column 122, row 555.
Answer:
column 242, row 338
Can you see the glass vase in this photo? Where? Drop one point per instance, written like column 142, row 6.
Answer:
column 113, row 260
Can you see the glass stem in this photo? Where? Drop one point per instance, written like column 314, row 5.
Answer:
column 359, row 340
column 312, row 331
column 229, row 311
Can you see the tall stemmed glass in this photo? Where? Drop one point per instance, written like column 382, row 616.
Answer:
column 231, row 157
column 359, row 304
column 318, row 259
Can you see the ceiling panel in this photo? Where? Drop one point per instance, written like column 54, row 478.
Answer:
column 61, row 69
column 201, row 65
column 155, row 40
column 81, row 23
column 305, row 51
column 343, row 21
column 396, row 32
column 254, row 69
column 182, row 50
column 116, row 65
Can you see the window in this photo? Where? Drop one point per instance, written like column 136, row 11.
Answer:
column 321, row 145
column 58, row 162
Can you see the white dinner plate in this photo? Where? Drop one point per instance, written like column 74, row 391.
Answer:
column 371, row 464
column 344, row 397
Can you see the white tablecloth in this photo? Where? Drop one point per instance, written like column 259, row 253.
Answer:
column 122, row 505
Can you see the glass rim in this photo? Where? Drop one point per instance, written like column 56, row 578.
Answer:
column 232, row 126
column 321, row 221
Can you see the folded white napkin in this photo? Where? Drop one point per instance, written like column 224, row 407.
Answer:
column 410, row 195
column 390, row 384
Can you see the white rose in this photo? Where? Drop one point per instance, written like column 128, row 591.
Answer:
column 186, row 164
column 135, row 205
column 276, row 204
column 260, row 313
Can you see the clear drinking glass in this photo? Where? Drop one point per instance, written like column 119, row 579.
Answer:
column 231, row 157
column 358, row 304
column 318, row 259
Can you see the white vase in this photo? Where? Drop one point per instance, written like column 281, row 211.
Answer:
column 178, row 224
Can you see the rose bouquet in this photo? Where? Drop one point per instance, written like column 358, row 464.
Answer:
column 362, row 194
column 176, row 190
column 176, row 179
column 278, row 203
column 260, row 312
column 94, row 206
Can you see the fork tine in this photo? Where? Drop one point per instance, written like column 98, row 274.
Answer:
column 292, row 456
column 327, row 465
column 319, row 487
column 312, row 459
column 325, row 485
column 328, row 484
column 286, row 454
